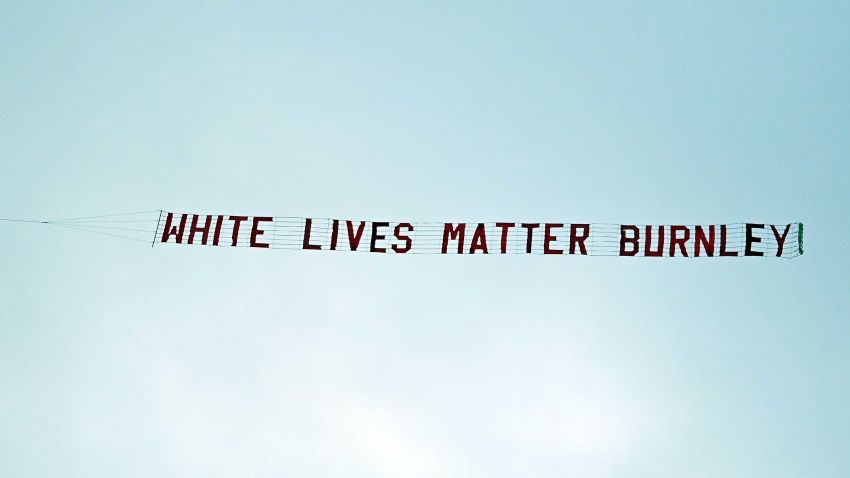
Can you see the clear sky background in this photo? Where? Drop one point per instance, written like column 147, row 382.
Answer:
column 122, row 360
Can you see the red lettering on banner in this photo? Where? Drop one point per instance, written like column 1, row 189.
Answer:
column 679, row 241
column 751, row 239
column 408, row 242
column 377, row 237
column 739, row 239
column 193, row 228
column 548, row 238
column 219, row 220
column 308, row 229
column 629, row 240
column 723, row 251
column 780, row 240
column 505, row 226
column 702, row 241
column 575, row 238
column 237, row 220
column 170, row 230
column 354, row 238
column 647, row 251
column 479, row 240
column 449, row 229
column 530, row 227
column 334, row 234
column 257, row 232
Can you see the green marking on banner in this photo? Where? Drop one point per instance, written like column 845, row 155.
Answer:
column 800, row 237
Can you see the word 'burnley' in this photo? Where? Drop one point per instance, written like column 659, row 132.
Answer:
column 548, row 238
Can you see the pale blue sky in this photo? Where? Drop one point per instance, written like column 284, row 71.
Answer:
column 118, row 359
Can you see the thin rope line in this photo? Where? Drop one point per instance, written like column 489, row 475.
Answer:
column 104, row 221
column 146, row 231
column 23, row 220
column 97, row 232
column 105, row 215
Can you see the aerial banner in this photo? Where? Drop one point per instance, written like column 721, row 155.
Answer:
column 783, row 240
